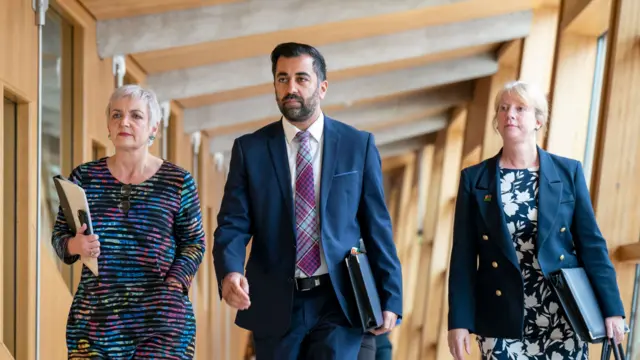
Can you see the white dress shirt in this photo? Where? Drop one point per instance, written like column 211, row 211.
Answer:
column 315, row 143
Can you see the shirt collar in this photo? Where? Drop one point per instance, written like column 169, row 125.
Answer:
column 315, row 130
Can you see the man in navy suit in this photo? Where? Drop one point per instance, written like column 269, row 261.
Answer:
column 306, row 189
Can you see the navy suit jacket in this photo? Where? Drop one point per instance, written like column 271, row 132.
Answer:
column 568, row 236
column 258, row 203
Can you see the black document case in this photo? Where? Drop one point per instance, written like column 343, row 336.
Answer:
column 365, row 291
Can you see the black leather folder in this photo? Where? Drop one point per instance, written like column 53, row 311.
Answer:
column 364, row 290
column 579, row 302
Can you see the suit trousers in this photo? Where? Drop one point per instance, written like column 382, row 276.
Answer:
column 368, row 347
column 318, row 331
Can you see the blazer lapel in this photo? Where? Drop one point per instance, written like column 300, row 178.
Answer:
column 330, row 140
column 280, row 161
column 489, row 199
column 549, row 196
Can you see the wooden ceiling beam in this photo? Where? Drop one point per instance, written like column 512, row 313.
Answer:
column 346, row 92
column 112, row 9
column 227, row 21
column 415, row 106
column 255, row 71
column 261, row 44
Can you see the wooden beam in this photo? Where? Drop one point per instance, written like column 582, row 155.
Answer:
column 628, row 253
column 539, row 47
column 402, row 147
column 412, row 129
column 586, row 17
column 135, row 72
column 392, row 163
column 419, row 345
column 492, row 142
column 345, row 92
column 111, row 9
column 509, row 54
column 615, row 187
column 261, row 44
column 408, row 335
column 234, row 20
column 428, row 41
column 436, row 306
column 573, row 86
column 340, row 75
column 26, row 241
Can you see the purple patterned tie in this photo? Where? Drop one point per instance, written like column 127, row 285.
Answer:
column 308, row 249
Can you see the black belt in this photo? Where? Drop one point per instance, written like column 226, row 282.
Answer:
column 305, row 284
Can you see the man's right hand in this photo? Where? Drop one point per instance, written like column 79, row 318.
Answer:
column 235, row 291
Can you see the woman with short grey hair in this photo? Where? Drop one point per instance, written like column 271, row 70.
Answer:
column 148, row 238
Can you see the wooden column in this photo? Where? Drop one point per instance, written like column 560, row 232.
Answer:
column 176, row 134
column 486, row 142
column 539, row 48
column 409, row 334
column 429, row 231
column 571, row 95
column 615, row 189
column 436, row 307
column 581, row 24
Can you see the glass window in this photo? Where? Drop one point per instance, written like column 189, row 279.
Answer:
column 57, row 121
column 9, row 235
column 594, row 111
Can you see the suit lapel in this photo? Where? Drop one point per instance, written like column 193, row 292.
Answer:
column 330, row 139
column 489, row 200
column 280, row 161
column 549, row 195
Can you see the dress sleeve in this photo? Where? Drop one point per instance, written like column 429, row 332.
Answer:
column 61, row 231
column 189, row 235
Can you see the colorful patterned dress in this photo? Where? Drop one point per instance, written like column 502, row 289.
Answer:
column 547, row 333
column 128, row 311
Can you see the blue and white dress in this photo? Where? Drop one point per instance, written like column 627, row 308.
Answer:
column 547, row 333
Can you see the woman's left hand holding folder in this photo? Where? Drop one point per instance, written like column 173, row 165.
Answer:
column 84, row 245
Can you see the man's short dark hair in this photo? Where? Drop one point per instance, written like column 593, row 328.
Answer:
column 292, row 49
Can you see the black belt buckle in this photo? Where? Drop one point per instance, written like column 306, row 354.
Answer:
column 314, row 280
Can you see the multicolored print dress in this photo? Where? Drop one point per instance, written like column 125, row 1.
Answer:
column 547, row 333
column 129, row 311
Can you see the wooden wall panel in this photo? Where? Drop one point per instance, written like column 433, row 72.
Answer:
column 18, row 78
column 615, row 189
column 539, row 48
column 571, row 95
column 436, row 307
column 19, row 34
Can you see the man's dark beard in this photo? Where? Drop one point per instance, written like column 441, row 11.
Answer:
column 304, row 112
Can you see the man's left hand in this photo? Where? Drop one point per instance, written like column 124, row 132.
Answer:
column 388, row 323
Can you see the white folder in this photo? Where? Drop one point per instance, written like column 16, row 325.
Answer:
column 75, row 207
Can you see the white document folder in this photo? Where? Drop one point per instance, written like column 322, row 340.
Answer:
column 75, row 207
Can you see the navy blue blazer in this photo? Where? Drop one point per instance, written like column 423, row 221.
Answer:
column 568, row 236
column 258, row 203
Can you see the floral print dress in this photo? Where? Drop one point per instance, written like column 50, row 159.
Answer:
column 547, row 333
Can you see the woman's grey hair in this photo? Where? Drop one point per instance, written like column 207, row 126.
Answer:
column 530, row 94
column 139, row 93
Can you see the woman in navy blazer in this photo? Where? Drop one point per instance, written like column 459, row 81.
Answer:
column 520, row 216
